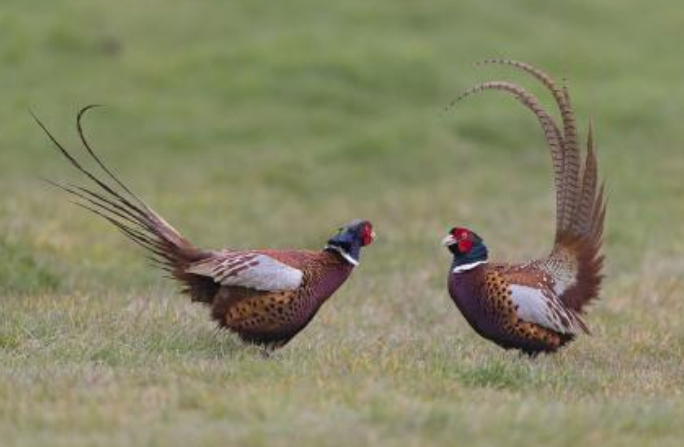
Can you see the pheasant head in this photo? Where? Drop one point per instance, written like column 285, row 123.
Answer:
column 350, row 239
column 467, row 247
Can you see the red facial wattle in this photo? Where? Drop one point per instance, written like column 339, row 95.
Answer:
column 367, row 235
column 464, row 245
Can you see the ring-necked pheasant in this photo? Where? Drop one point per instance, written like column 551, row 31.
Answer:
column 265, row 296
column 537, row 306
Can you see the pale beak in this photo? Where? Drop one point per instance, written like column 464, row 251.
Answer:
column 449, row 240
column 373, row 236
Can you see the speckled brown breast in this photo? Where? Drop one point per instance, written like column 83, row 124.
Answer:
column 273, row 318
column 483, row 296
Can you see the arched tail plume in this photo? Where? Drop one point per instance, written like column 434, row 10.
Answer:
column 115, row 202
column 576, row 260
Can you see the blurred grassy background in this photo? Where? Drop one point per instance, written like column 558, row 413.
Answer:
column 251, row 123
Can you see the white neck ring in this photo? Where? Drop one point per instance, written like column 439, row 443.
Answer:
column 347, row 257
column 467, row 267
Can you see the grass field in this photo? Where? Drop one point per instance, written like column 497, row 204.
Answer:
column 251, row 124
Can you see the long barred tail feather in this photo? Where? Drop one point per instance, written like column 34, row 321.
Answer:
column 568, row 175
column 587, row 198
column 587, row 235
column 164, row 245
column 552, row 134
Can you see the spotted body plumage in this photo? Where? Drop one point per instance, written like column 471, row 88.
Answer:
column 272, row 318
column 485, row 296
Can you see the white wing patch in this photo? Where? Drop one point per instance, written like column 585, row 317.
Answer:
column 545, row 309
column 251, row 270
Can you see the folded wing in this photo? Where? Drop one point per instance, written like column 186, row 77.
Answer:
column 543, row 307
column 252, row 270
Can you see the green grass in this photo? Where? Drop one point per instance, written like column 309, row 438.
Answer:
column 251, row 123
